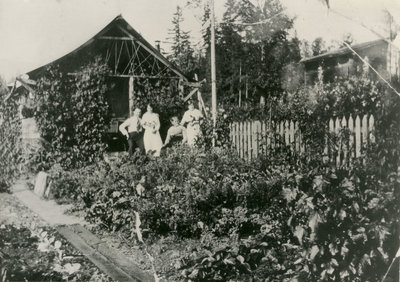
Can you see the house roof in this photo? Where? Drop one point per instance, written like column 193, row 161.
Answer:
column 123, row 26
column 344, row 50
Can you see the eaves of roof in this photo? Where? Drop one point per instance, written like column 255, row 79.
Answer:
column 121, row 22
column 343, row 51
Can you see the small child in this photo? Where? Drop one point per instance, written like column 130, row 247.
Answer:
column 176, row 133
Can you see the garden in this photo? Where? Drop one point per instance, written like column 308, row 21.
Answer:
column 205, row 214
column 30, row 250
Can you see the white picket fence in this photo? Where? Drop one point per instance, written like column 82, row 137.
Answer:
column 252, row 138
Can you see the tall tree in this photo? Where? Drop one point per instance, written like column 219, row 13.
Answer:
column 266, row 46
column 182, row 51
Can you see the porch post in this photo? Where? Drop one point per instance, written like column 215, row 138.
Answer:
column 131, row 95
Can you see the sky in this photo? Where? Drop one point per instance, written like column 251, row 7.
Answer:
column 36, row 32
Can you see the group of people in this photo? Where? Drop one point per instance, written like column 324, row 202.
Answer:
column 143, row 132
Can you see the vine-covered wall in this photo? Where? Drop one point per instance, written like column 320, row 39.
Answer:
column 73, row 114
column 10, row 139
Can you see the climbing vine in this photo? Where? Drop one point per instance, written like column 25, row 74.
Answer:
column 72, row 113
column 10, row 141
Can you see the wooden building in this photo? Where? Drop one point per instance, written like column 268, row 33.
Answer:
column 127, row 54
column 129, row 57
column 382, row 56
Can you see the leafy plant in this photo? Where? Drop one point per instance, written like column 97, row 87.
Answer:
column 72, row 113
column 41, row 254
column 10, row 141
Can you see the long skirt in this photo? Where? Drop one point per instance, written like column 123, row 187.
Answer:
column 152, row 142
column 193, row 132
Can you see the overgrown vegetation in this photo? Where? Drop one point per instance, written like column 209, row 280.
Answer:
column 10, row 141
column 282, row 217
column 39, row 254
column 72, row 113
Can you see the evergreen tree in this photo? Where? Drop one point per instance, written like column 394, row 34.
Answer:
column 182, row 51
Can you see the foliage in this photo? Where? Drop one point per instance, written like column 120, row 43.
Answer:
column 182, row 51
column 163, row 95
column 258, row 52
column 220, row 133
column 249, row 57
column 281, row 221
column 72, row 113
column 282, row 216
column 40, row 255
column 10, row 141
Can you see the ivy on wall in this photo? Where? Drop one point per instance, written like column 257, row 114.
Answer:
column 10, row 139
column 72, row 113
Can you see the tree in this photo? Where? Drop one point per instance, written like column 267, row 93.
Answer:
column 265, row 46
column 252, row 49
column 182, row 51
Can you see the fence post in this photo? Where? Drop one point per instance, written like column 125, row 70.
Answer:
column 249, row 135
column 337, row 132
column 264, row 137
column 371, row 129
column 241, row 139
column 364, row 131
column 245, row 140
column 351, row 138
column 286, row 130
column 291, row 135
column 297, row 137
column 257, row 137
column 344, row 143
column 358, row 137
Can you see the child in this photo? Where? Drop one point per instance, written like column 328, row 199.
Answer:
column 176, row 133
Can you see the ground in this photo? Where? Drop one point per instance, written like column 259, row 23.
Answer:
column 167, row 253
column 32, row 250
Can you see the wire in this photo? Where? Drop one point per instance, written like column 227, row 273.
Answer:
column 260, row 22
column 369, row 65
column 363, row 25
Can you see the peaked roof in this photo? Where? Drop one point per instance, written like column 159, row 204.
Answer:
column 344, row 50
column 120, row 25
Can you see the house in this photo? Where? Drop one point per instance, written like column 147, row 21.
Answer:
column 128, row 55
column 343, row 62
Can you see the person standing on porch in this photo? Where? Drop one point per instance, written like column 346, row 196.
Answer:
column 192, row 119
column 152, row 139
column 132, row 129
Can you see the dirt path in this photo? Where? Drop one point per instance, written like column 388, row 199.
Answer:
column 24, row 208
column 13, row 212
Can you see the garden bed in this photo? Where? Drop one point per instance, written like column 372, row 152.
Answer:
column 32, row 251
column 207, row 215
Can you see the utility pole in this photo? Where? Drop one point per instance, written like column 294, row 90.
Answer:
column 213, row 75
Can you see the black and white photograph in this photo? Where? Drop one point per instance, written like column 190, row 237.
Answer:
column 200, row 140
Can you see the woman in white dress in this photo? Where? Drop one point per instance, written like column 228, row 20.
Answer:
column 192, row 119
column 151, row 139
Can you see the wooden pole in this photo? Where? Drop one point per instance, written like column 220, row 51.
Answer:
column 131, row 95
column 213, row 74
